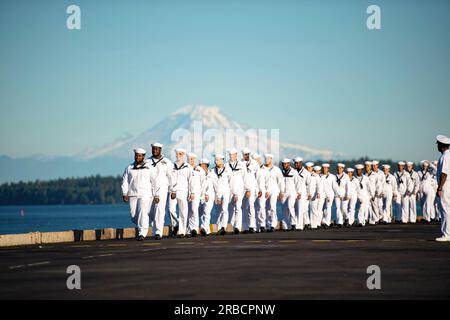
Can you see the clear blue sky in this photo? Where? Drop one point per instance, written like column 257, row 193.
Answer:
column 310, row 68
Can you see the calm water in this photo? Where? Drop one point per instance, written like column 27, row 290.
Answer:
column 22, row 219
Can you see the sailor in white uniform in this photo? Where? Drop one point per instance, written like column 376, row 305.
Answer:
column 415, row 190
column 221, row 175
column 273, row 192
column 434, row 212
column 164, row 168
column 443, row 190
column 378, row 203
column 208, row 192
column 329, row 181
column 307, row 216
column 316, row 196
column 351, row 196
column 291, row 193
column 301, row 205
column 404, row 188
column 179, row 190
column 363, row 195
column 195, row 189
column 389, row 193
column 138, row 189
column 426, row 191
column 237, row 178
column 260, row 201
column 373, row 196
column 339, row 191
column 248, row 203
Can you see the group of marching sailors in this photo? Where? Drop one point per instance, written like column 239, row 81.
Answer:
column 245, row 193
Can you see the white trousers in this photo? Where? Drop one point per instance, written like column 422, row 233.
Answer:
column 444, row 208
column 289, row 216
column 300, row 210
column 193, row 214
column 205, row 209
column 412, row 216
column 248, row 210
column 387, row 207
column 222, row 212
column 316, row 211
column 349, row 210
column 374, row 211
column 235, row 210
column 260, row 208
column 341, row 204
column 181, row 219
column 363, row 208
column 402, row 209
column 327, row 211
column 271, row 210
column 139, row 210
column 157, row 215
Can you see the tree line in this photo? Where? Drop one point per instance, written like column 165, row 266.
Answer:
column 87, row 190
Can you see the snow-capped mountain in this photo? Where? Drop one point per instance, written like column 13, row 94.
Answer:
column 201, row 129
column 205, row 130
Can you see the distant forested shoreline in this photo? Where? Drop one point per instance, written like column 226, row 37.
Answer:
column 88, row 190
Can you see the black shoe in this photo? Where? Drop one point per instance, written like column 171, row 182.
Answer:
column 236, row 231
column 339, row 226
column 173, row 232
column 203, row 232
column 140, row 238
column 251, row 230
column 157, row 237
column 324, row 226
column 270, row 230
column 307, row 227
column 221, row 232
column 293, row 227
column 359, row 225
column 193, row 233
column 262, row 229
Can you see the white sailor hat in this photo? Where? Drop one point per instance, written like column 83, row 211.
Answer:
column 286, row 160
column 298, row 159
column 256, row 156
column 341, row 165
column 245, row 150
column 359, row 166
column 350, row 170
column 232, row 151
column 375, row 162
column 409, row 163
column 443, row 139
column 425, row 162
column 326, row 165
column 219, row 156
column 401, row 163
column 204, row 161
column 368, row 163
column 317, row 168
column 268, row 155
column 192, row 155
column 157, row 145
column 435, row 162
column 309, row 164
column 386, row 166
column 140, row 151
